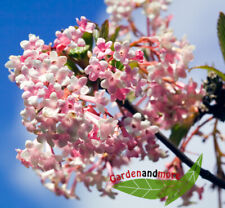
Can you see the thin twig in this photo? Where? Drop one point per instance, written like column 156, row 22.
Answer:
column 183, row 146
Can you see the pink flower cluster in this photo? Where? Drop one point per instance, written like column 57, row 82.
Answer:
column 120, row 10
column 76, row 130
column 167, row 100
column 153, row 8
column 72, row 37
column 117, row 82
column 75, row 133
column 170, row 100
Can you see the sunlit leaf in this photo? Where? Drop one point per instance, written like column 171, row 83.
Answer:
column 115, row 34
column 186, row 182
column 131, row 96
column 145, row 188
column 88, row 38
column 117, row 64
column 79, row 52
column 221, row 32
column 104, row 32
column 178, row 132
column 210, row 68
column 133, row 64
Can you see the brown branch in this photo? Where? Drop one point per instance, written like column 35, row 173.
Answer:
column 203, row 173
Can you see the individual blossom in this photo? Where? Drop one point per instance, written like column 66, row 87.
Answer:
column 100, row 100
column 114, row 85
column 123, row 52
column 107, row 127
column 139, row 56
column 84, row 25
column 96, row 69
column 102, row 48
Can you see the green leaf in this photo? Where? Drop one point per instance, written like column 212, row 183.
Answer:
column 79, row 52
column 117, row 64
column 186, row 182
column 104, row 32
column 178, row 132
column 131, row 96
column 96, row 32
column 145, row 188
column 79, row 56
column 155, row 189
column 221, row 32
column 115, row 35
column 133, row 64
column 88, row 38
column 210, row 68
column 72, row 66
column 146, row 55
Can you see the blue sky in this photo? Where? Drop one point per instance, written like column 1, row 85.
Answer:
column 19, row 187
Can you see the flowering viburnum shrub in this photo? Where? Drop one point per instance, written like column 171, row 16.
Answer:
column 96, row 98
